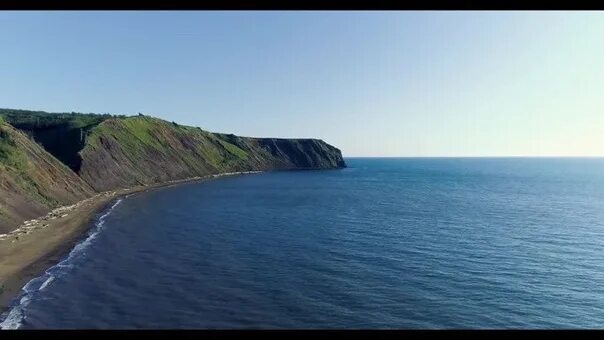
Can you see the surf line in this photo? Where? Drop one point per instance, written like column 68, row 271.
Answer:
column 14, row 317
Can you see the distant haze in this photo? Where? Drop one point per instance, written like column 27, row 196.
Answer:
column 369, row 83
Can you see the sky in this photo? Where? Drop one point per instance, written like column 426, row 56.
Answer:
column 370, row 83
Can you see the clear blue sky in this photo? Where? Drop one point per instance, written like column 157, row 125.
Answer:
column 370, row 83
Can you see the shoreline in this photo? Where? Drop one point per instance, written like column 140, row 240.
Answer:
column 38, row 244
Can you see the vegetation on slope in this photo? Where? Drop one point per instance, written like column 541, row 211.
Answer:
column 61, row 134
column 145, row 150
column 32, row 181
column 30, row 120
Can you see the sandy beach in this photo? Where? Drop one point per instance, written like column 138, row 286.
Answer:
column 38, row 244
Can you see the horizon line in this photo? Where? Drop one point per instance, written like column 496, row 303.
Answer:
column 524, row 156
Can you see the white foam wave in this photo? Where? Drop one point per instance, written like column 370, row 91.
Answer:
column 47, row 282
column 13, row 319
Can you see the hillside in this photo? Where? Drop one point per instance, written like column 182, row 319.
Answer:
column 47, row 159
column 146, row 150
column 61, row 134
column 32, row 182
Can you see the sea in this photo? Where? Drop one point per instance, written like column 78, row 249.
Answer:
column 386, row 243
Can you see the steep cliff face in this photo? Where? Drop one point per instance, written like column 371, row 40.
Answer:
column 32, row 181
column 282, row 153
column 145, row 150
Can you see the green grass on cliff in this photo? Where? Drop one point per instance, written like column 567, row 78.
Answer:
column 142, row 129
column 233, row 149
column 61, row 134
column 143, row 147
column 10, row 154
column 137, row 134
column 14, row 162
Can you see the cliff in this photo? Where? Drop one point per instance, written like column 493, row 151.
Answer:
column 146, row 150
column 55, row 159
column 61, row 134
column 32, row 181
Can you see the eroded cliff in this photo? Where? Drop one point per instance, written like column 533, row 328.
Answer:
column 146, row 150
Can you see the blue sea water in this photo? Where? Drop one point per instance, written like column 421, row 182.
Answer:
column 385, row 243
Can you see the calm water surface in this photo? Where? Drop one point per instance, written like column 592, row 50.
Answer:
column 385, row 243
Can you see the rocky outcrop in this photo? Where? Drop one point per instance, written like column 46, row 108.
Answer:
column 283, row 153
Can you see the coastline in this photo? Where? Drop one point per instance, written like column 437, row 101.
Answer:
column 36, row 245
